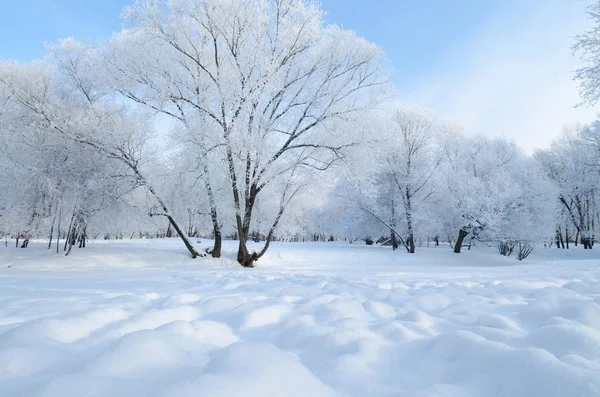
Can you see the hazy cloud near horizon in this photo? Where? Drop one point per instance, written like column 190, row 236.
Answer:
column 515, row 78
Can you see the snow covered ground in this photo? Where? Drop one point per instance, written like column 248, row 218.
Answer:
column 139, row 318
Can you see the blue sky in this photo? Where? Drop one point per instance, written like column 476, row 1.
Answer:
column 428, row 28
column 495, row 67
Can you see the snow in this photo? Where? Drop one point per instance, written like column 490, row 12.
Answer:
column 139, row 318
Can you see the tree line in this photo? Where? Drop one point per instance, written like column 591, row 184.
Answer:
column 256, row 120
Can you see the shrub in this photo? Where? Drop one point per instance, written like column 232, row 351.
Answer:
column 506, row 248
column 524, row 251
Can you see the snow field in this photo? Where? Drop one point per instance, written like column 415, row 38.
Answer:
column 360, row 321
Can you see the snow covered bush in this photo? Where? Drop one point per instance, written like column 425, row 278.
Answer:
column 524, row 250
column 506, row 248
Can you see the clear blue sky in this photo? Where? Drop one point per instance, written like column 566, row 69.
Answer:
column 426, row 29
column 489, row 65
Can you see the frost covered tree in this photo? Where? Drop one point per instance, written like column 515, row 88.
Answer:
column 50, row 178
column 413, row 159
column 263, row 83
column 587, row 46
column 486, row 189
column 255, row 120
column 572, row 163
column 477, row 184
column 529, row 208
column 393, row 177
column 61, row 97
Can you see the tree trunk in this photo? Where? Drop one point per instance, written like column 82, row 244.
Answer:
column 214, row 216
column 242, row 250
column 393, row 223
column 394, row 241
column 51, row 233
column 411, row 243
column 247, row 259
column 190, row 225
column 82, row 237
column 244, row 257
column 71, row 239
column 69, row 231
column 186, row 241
column 58, row 229
column 459, row 242
column 244, row 231
column 216, row 251
column 183, row 237
column 593, row 238
column 69, row 247
column 408, row 212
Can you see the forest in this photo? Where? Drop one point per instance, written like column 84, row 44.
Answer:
column 255, row 120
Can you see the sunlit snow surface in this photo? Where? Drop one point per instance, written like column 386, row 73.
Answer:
column 138, row 318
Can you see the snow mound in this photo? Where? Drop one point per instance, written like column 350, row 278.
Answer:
column 248, row 369
column 298, row 329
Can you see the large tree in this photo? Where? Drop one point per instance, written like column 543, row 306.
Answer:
column 265, row 84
